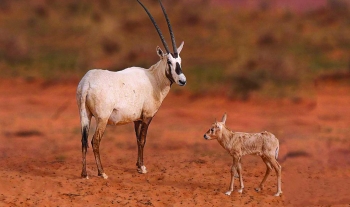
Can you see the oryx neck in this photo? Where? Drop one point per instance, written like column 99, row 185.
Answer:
column 159, row 73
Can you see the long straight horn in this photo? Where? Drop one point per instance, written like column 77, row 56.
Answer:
column 170, row 30
column 157, row 28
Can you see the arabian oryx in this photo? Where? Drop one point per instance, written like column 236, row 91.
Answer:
column 130, row 95
column 238, row 144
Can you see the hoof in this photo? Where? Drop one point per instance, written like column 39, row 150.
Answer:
column 240, row 190
column 228, row 193
column 84, row 175
column 258, row 189
column 142, row 169
column 278, row 194
column 104, row 176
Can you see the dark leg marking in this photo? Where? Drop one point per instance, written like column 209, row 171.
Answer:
column 141, row 128
column 84, row 146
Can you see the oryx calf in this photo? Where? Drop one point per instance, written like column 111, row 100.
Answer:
column 238, row 144
column 130, row 95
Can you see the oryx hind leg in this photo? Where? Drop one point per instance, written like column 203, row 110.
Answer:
column 85, row 126
column 100, row 128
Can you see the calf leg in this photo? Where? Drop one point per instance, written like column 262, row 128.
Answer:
column 141, row 128
column 233, row 170
column 101, row 126
column 236, row 173
column 239, row 170
column 278, row 169
column 268, row 170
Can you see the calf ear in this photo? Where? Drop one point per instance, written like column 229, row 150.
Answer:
column 160, row 52
column 224, row 118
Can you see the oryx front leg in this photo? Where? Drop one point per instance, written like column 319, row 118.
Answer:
column 141, row 128
column 101, row 126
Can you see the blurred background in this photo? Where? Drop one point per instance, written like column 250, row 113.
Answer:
column 277, row 65
column 233, row 47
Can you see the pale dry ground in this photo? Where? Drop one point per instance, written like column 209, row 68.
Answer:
column 40, row 151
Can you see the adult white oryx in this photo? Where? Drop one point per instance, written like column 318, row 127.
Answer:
column 130, row 95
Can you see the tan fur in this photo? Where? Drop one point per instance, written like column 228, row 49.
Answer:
column 238, row 144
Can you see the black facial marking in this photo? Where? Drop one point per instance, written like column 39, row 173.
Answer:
column 178, row 69
column 175, row 55
column 168, row 73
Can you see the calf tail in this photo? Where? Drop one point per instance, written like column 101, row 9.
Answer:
column 276, row 153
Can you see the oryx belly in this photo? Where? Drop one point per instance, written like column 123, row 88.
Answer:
column 135, row 109
column 123, row 116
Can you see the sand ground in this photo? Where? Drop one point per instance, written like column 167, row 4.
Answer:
column 40, row 151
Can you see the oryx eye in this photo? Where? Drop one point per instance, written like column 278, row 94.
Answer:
column 212, row 130
column 169, row 63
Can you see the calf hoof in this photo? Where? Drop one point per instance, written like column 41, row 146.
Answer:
column 228, row 193
column 278, row 194
column 142, row 169
column 240, row 190
column 258, row 189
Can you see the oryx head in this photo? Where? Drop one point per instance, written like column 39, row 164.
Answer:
column 173, row 69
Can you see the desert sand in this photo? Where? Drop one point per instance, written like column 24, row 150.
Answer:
column 40, row 150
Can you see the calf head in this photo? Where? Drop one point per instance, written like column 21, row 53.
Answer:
column 215, row 130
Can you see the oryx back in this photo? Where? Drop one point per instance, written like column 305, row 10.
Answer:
column 118, row 96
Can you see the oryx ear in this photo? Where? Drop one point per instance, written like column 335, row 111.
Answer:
column 180, row 47
column 224, row 118
column 160, row 52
